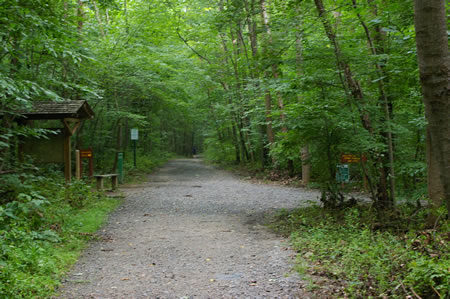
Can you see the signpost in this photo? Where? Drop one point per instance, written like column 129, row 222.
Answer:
column 343, row 173
column 350, row 158
column 87, row 154
column 134, row 137
column 120, row 167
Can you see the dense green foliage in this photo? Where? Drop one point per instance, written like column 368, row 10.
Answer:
column 368, row 258
column 274, row 85
column 243, row 81
column 43, row 231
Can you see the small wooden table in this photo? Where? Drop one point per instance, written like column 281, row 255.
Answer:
column 114, row 180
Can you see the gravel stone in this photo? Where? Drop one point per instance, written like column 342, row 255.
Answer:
column 192, row 231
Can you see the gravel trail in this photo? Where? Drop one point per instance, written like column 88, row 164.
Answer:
column 191, row 231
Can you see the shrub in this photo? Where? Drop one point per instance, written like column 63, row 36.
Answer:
column 42, row 230
column 349, row 247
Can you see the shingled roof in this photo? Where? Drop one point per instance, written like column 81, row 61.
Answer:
column 59, row 110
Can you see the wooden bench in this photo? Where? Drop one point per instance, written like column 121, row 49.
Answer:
column 114, row 180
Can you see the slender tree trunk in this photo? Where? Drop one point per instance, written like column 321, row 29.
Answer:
column 118, row 145
column 305, row 155
column 256, row 73
column 385, row 103
column 99, row 20
column 274, row 65
column 107, row 16
column 125, row 12
column 357, row 96
column 268, row 96
column 80, row 15
column 237, row 76
column 238, row 138
column 118, row 136
column 434, row 67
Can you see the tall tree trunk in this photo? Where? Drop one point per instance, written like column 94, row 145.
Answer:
column 119, row 134
column 305, row 155
column 237, row 76
column 80, row 15
column 118, row 145
column 435, row 188
column 274, row 65
column 107, row 16
column 376, row 49
column 256, row 71
column 383, row 199
column 268, row 96
column 99, row 20
column 237, row 125
column 125, row 12
column 434, row 67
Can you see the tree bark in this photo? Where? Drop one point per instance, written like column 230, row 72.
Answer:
column 267, row 96
column 383, row 200
column 80, row 16
column 435, row 188
column 384, row 101
column 255, row 70
column 274, row 65
column 305, row 155
column 434, row 68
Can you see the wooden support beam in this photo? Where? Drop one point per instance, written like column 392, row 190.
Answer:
column 67, row 156
column 71, row 125
column 78, row 165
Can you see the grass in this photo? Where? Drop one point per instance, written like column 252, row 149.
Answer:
column 361, row 259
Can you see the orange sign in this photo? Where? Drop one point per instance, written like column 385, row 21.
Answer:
column 86, row 153
column 350, row 158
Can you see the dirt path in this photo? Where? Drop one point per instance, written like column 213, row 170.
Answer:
column 191, row 232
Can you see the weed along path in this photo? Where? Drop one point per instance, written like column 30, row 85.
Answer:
column 191, row 232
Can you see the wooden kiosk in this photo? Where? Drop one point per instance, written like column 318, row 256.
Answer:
column 58, row 147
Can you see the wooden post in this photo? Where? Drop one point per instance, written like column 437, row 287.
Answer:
column 99, row 183
column 78, row 165
column 68, row 132
column 114, row 182
column 67, row 158
column 91, row 167
column 91, row 164
column 81, row 165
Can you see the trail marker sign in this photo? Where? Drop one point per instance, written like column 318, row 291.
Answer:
column 86, row 153
column 134, row 134
column 351, row 158
column 343, row 173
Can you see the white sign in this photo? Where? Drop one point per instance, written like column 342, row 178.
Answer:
column 134, row 134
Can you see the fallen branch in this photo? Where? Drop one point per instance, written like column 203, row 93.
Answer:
column 436, row 291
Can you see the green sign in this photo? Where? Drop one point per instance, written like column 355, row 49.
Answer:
column 343, row 173
column 120, row 166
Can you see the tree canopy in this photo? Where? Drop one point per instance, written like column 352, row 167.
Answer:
column 284, row 85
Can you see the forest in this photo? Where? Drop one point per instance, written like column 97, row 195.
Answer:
column 285, row 89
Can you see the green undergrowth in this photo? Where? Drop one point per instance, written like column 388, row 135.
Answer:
column 363, row 257
column 44, row 225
